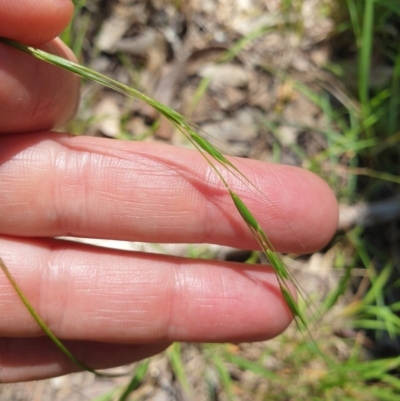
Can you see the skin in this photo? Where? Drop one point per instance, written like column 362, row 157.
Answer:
column 112, row 307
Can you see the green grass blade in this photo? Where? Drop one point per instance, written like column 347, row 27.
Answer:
column 224, row 376
column 378, row 284
column 175, row 358
column 365, row 53
column 75, row 41
column 338, row 291
column 255, row 367
column 137, row 378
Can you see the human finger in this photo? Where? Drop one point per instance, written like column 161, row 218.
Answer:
column 34, row 22
column 24, row 359
column 93, row 294
column 35, row 95
column 53, row 185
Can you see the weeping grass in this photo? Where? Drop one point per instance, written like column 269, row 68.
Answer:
column 211, row 155
column 353, row 378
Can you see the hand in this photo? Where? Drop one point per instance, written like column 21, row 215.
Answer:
column 112, row 307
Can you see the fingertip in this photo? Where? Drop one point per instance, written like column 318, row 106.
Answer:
column 301, row 213
column 315, row 212
column 34, row 22
column 320, row 213
column 331, row 207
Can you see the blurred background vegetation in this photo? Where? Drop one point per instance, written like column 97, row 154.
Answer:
column 312, row 83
